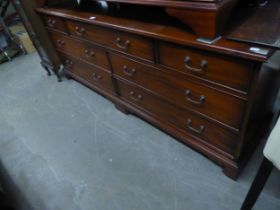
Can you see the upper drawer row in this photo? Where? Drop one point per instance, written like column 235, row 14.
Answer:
column 135, row 45
column 216, row 69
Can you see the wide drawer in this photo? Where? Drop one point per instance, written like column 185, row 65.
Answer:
column 96, row 76
column 190, row 124
column 182, row 92
column 124, row 42
column 220, row 69
column 80, row 49
column 54, row 23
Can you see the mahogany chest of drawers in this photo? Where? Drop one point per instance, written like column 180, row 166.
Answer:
column 203, row 95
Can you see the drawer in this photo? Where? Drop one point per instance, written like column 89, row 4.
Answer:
column 54, row 23
column 80, row 49
column 224, row 70
column 182, row 92
column 124, row 42
column 93, row 74
column 188, row 123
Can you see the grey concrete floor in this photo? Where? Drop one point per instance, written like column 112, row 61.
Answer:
column 65, row 147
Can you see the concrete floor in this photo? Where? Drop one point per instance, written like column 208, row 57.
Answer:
column 65, row 147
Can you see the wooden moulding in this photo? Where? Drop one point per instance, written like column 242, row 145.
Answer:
column 205, row 22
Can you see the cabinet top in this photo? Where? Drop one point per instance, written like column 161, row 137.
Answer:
column 207, row 18
column 158, row 30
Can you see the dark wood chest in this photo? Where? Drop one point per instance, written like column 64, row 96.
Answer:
column 205, row 95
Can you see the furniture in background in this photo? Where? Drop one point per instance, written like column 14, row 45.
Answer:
column 49, row 58
column 4, row 4
column 9, row 45
column 271, row 160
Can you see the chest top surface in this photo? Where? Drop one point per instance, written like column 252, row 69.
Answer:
column 159, row 28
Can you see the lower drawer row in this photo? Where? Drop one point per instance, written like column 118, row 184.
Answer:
column 179, row 118
column 96, row 76
column 184, row 121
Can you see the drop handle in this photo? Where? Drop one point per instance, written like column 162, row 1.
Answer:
column 51, row 23
column 80, row 31
column 122, row 44
column 96, row 77
column 195, row 130
column 89, row 53
column 68, row 63
column 189, row 97
column 134, row 96
column 129, row 72
column 203, row 65
column 60, row 43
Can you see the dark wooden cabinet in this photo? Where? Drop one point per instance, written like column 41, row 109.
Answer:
column 205, row 95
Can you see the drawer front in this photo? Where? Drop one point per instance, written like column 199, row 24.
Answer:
column 80, row 49
column 54, row 23
column 90, row 73
column 124, row 42
column 226, row 71
column 220, row 106
column 186, row 122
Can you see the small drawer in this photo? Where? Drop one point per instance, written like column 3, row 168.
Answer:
column 188, row 123
column 182, row 92
column 124, row 42
column 80, row 49
column 220, row 69
column 96, row 76
column 54, row 23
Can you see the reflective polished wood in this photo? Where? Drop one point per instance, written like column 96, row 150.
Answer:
column 211, row 97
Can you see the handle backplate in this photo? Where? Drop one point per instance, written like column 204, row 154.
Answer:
column 122, row 44
column 203, row 65
column 51, row 23
column 189, row 97
column 134, row 96
column 195, row 130
column 89, row 53
column 96, row 77
column 80, row 30
column 129, row 72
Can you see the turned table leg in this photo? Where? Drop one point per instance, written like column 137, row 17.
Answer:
column 48, row 71
column 50, row 68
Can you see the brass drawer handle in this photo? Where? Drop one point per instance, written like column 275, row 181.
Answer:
column 60, row 43
column 51, row 23
column 203, row 65
column 89, row 53
column 190, row 127
column 189, row 97
column 68, row 63
column 96, row 77
column 128, row 72
column 80, row 31
column 122, row 45
column 134, row 96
